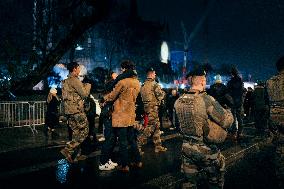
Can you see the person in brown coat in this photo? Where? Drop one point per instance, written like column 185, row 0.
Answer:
column 124, row 97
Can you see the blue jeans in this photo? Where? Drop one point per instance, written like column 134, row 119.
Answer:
column 126, row 135
column 110, row 140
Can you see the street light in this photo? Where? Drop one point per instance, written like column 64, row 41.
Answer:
column 79, row 48
column 164, row 52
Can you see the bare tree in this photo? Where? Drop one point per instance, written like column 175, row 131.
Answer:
column 74, row 17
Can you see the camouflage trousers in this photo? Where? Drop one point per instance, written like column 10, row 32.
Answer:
column 202, row 166
column 152, row 129
column 78, row 123
column 279, row 159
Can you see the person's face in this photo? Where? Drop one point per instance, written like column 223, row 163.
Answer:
column 174, row 92
column 152, row 75
column 203, row 82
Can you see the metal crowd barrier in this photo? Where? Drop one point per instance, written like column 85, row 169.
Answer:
column 22, row 114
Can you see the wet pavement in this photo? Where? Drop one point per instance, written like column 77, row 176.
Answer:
column 32, row 161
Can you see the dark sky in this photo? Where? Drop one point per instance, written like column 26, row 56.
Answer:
column 247, row 33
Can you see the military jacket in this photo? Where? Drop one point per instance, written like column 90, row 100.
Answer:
column 275, row 89
column 151, row 93
column 73, row 93
column 194, row 109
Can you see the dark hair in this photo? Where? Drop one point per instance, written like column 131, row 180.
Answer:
column 71, row 66
column 127, row 64
column 234, row 71
column 151, row 69
column 280, row 64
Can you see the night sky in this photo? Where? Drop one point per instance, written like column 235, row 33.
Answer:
column 246, row 33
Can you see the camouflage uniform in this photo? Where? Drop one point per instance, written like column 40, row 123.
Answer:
column 152, row 97
column 201, row 160
column 74, row 92
column 275, row 89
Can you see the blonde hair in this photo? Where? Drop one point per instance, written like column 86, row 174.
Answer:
column 49, row 97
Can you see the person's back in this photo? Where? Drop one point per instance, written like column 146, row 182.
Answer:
column 52, row 115
column 260, row 107
column 260, row 97
column 275, row 89
column 236, row 91
column 220, row 92
column 198, row 115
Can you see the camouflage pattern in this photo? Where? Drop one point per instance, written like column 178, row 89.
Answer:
column 152, row 97
column 201, row 160
column 275, row 89
column 194, row 109
column 73, row 93
column 79, row 125
column 201, row 164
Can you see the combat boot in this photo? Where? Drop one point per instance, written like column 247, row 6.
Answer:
column 160, row 149
column 123, row 169
column 67, row 155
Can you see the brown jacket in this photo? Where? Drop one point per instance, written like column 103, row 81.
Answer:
column 124, row 96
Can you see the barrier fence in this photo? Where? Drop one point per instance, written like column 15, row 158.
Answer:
column 22, row 114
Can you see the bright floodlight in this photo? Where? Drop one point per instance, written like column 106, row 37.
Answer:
column 164, row 52
column 79, row 48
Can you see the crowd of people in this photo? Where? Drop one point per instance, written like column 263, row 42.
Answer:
column 132, row 113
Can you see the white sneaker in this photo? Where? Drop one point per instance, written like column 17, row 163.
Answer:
column 101, row 139
column 112, row 163
column 106, row 167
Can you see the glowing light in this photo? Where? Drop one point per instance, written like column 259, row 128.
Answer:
column 249, row 84
column 62, row 169
column 61, row 70
column 164, row 52
column 79, row 48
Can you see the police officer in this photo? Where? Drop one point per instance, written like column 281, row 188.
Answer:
column 202, row 122
column 152, row 97
column 275, row 89
column 73, row 93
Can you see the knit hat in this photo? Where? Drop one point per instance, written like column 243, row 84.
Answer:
column 53, row 90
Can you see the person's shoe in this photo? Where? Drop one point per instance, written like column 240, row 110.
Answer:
column 101, row 139
column 106, row 167
column 160, row 149
column 112, row 163
column 124, row 169
column 67, row 155
column 81, row 158
column 136, row 164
